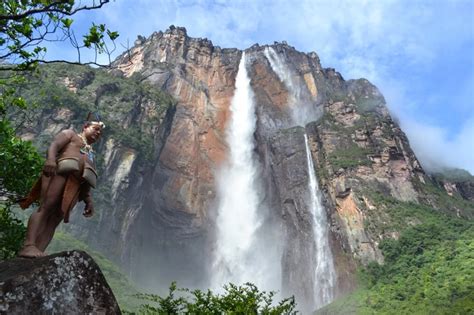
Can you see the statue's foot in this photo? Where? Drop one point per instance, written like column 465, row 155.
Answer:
column 30, row 251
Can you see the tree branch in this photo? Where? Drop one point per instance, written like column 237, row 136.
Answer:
column 34, row 41
column 51, row 8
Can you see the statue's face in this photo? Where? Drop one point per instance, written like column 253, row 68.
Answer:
column 92, row 133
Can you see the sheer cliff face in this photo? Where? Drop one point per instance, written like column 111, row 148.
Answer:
column 158, row 212
column 171, row 227
column 356, row 146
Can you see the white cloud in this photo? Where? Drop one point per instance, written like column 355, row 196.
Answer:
column 435, row 148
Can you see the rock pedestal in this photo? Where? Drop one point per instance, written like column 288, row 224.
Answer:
column 65, row 283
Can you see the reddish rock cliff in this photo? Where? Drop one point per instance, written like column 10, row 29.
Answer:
column 158, row 208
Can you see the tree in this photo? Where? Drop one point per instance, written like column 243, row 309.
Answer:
column 245, row 299
column 25, row 25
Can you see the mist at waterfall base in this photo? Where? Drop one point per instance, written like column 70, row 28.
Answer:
column 246, row 249
column 303, row 111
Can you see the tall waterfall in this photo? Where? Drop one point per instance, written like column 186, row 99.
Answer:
column 324, row 271
column 240, row 251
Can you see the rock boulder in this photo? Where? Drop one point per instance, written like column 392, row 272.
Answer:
column 64, row 283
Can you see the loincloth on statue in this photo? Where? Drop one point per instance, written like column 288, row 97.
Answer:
column 72, row 189
column 71, row 193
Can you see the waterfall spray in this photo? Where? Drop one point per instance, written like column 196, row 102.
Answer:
column 324, row 272
column 239, row 257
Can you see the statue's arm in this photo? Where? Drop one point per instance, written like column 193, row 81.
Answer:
column 59, row 142
column 86, row 196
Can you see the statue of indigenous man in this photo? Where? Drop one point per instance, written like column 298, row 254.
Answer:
column 68, row 175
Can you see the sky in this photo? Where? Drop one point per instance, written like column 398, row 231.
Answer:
column 420, row 54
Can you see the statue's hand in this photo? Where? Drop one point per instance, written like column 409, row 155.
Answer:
column 88, row 210
column 49, row 168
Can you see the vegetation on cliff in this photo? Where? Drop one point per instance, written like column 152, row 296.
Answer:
column 131, row 108
column 427, row 268
column 452, row 174
column 427, row 243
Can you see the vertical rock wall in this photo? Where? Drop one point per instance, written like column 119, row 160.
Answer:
column 159, row 222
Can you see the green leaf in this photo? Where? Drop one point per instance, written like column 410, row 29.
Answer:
column 67, row 22
column 112, row 35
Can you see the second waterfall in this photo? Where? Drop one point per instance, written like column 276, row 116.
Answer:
column 323, row 271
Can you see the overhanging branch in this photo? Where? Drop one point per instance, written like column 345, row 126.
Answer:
column 51, row 8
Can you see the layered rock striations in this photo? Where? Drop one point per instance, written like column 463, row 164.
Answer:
column 160, row 159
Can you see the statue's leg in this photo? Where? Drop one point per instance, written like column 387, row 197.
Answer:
column 47, row 234
column 37, row 224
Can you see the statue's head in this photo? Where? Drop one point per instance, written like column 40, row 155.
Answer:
column 92, row 128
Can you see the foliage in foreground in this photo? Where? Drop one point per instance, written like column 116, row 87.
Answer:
column 245, row 299
column 12, row 233
column 20, row 165
column 26, row 25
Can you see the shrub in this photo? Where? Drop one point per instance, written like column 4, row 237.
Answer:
column 245, row 299
column 12, row 233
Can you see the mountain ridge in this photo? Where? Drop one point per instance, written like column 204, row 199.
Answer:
column 159, row 160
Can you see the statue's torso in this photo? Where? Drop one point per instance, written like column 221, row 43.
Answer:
column 73, row 150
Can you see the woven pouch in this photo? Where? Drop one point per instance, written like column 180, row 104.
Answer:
column 67, row 165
